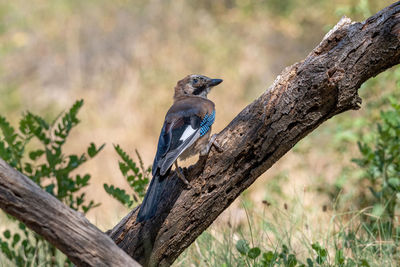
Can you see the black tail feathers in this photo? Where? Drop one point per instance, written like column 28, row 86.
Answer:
column 151, row 199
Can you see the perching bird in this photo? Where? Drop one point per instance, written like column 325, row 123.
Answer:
column 186, row 132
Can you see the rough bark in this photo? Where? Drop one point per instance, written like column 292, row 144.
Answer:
column 305, row 95
column 68, row 230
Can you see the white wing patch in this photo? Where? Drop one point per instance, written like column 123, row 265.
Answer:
column 187, row 133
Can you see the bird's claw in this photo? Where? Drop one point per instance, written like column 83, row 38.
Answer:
column 182, row 176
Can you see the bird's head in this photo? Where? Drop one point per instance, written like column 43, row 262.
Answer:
column 195, row 84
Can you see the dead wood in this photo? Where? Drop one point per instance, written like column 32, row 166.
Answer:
column 68, row 230
column 305, row 95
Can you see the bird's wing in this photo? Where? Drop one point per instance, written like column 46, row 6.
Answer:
column 178, row 133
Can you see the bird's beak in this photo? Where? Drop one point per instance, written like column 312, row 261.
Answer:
column 214, row 82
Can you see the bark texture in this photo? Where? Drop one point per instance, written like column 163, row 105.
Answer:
column 305, row 95
column 68, row 230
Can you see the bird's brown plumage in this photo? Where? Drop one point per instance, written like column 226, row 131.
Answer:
column 186, row 132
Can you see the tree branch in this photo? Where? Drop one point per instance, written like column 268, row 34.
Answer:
column 305, row 95
column 68, row 230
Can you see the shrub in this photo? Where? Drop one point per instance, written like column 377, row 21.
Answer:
column 380, row 161
column 49, row 167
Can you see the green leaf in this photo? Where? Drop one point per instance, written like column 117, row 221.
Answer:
column 8, row 131
column 125, row 157
column 269, row 258
column 136, row 177
column 254, row 253
column 395, row 182
column 90, row 206
column 50, row 189
column 28, row 168
column 364, row 263
column 5, row 152
column 339, row 257
column 6, row 250
column 11, row 149
column 285, row 249
column 68, row 121
column 321, row 252
column 292, row 261
column 80, row 199
column 7, row 234
column 16, row 239
column 118, row 194
column 124, row 168
column 21, row 226
column 320, row 260
column 82, row 181
column 93, row 151
column 242, row 246
column 40, row 121
column 73, row 161
column 34, row 155
column 378, row 210
column 34, row 125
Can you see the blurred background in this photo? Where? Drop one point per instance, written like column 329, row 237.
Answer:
column 124, row 58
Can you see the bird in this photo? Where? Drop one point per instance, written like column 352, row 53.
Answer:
column 185, row 133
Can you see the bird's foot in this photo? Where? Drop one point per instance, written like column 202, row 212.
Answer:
column 212, row 142
column 181, row 175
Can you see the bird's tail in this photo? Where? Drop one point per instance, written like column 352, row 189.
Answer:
column 152, row 198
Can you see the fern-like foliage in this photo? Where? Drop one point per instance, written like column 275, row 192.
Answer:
column 52, row 169
column 137, row 177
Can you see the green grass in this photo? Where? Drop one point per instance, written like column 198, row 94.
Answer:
column 342, row 234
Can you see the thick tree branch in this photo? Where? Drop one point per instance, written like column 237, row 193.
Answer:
column 68, row 230
column 305, row 95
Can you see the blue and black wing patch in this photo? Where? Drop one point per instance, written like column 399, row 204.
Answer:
column 206, row 123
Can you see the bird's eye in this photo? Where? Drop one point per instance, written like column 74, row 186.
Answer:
column 195, row 81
